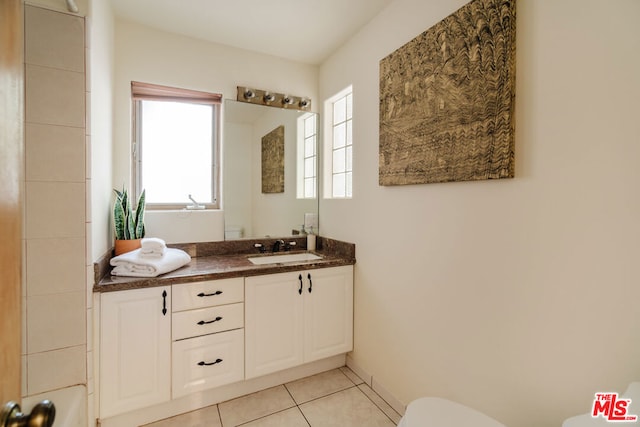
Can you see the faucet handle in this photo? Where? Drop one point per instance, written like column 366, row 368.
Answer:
column 289, row 245
column 260, row 246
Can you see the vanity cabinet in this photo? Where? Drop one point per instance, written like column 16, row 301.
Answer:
column 135, row 349
column 207, row 335
column 187, row 345
column 296, row 318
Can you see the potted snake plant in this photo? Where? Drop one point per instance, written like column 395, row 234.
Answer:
column 128, row 224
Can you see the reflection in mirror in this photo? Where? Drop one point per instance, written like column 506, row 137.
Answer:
column 248, row 211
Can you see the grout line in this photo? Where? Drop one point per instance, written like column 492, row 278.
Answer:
column 395, row 404
column 304, row 416
column 364, row 383
column 290, row 395
column 219, row 414
column 376, row 405
column 271, row 414
column 345, row 389
column 327, row 395
column 342, row 369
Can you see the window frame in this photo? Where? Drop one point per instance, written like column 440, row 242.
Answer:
column 301, row 164
column 329, row 148
column 152, row 92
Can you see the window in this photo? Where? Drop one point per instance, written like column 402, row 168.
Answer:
column 307, row 155
column 339, row 153
column 175, row 150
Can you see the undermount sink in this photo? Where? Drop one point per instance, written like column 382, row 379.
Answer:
column 285, row 257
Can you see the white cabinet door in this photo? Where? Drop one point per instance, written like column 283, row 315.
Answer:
column 328, row 312
column 295, row 318
column 135, row 349
column 273, row 323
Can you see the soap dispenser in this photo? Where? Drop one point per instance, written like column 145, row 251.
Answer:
column 311, row 240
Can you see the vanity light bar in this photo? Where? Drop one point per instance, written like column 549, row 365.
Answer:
column 273, row 99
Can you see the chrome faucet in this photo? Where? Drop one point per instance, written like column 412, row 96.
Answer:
column 195, row 204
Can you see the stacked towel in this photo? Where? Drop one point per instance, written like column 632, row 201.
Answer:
column 152, row 247
column 134, row 264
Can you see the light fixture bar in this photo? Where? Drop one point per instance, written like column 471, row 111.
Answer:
column 273, row 99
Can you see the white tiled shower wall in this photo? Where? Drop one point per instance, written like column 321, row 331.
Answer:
column 56, row 265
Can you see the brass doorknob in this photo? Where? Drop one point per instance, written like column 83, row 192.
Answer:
column 42, row 415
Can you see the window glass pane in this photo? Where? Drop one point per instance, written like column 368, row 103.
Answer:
column 176, row 151
column 310, row 147
column 339, row 136
column 339, row 160
column 349, row 106
column 339, row 111
column 349, row 159
column 348, row 185
column 309, row 126
column 338, row 185
column 310, row 167
column 306, row 156
column 310, row 187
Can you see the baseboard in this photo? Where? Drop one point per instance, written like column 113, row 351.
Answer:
column 380, row 389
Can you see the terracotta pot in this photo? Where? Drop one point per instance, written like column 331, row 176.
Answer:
column 124, row 246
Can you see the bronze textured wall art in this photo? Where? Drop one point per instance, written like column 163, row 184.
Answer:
column 273, row 161
column 447, row 99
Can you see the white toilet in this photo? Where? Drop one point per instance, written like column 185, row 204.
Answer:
column 437, row 412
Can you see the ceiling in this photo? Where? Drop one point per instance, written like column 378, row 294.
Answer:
column 306, row 31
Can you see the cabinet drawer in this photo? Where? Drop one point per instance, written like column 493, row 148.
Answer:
column 206, row 294
column 193, row 323
column 206, row 362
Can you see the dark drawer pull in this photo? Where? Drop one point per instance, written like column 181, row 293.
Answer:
column 300, row 279
column 164, row 303
column 203, row 363
column 203, row 322
column 202, row 294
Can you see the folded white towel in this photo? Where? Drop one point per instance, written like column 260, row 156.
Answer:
column 150, row 255
column 152, row 247
column 153, row 243
column 133, row 264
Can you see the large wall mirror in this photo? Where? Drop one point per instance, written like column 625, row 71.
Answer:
column 265, row 150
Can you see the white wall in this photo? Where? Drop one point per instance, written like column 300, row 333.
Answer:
column 238, row 174
column 517, row 297
column 148, row 55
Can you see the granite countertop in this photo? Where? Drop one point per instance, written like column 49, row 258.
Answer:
column 221, row 260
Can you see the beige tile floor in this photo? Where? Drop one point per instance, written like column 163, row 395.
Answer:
column 333, row 398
